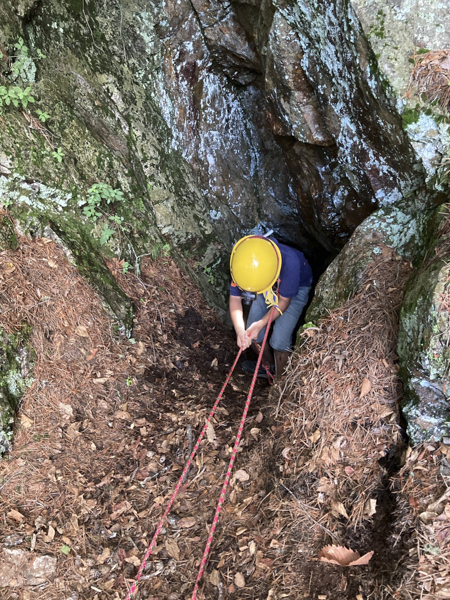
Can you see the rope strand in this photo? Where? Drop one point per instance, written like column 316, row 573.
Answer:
column 180, row 481
column 188, row 464
column 231, row 463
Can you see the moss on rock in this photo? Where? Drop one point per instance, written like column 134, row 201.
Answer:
column 8, row 237
column 15, row 377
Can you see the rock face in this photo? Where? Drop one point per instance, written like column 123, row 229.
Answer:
column 15, row 377
column 400, row 32
column 220, row 118
column 424, row 337
column 397, row 28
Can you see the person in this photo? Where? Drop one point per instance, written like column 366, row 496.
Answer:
column 268, row 274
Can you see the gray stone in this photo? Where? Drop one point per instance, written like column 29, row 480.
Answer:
column 20, row 568
column 424, row 338
column 16, row 359
column 398, row 28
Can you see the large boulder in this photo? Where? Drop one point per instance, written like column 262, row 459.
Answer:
column 402, row 228
column 424, row 338
column 412, row 45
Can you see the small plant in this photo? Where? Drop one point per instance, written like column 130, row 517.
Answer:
column 126, row 267
column 103, row 192
column 22, row 59
column 129, row 380
column 106, row 234
column 159, row 250
column 42, row 116
column 16, row 96
column 18, row 69
column 208, row 272
column 58, row 154
column 98, row 194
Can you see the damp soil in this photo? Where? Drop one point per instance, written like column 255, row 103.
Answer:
column 102, row 438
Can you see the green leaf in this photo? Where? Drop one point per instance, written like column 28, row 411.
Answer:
column 65, row 549
column 106, row 235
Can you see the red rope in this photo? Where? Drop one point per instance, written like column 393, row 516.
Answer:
column 231, row 463
column 188, row 464
column 180, row 481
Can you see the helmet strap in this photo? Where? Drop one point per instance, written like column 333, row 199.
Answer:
column 271, row 297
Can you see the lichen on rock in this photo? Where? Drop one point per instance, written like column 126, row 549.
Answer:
column 15, row 377
column 424, row 337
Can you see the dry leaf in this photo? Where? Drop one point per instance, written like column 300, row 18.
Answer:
column 254, row 432
column 259, row 417
column 10, row 268
column 16, row 515
column 286, row 453
column 66, row 410
column 186, row 523
column 210, row 433
column 386, row 413
column 242, row 475
column 119, row 509
column 172, row 549
column 364, row 560
column 140, row 348
column 82, row 331
column 339, row 508
column 370, row 507
column 73, row 430
column 339, row 555
column 92, row 354
column 315, row 436
column 122, row 414
column 365, row 387
column 25, row 421
column 239, row 580
column 215, row 362
column 324, row 485
column 214, row 578
column 52, row 264
column 104, row 556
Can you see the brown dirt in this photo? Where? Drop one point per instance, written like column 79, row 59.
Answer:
column 104, row 431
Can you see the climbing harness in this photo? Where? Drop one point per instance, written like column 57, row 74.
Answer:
column 227, row 476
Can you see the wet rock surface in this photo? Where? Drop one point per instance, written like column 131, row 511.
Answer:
column 214, row 119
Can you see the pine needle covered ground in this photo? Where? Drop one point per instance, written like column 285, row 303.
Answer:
column 105, row 428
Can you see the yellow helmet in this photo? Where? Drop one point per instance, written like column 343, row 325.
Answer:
column 255, row 263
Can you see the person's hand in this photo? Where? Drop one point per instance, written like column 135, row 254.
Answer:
column 254, row 330
column 243, row 341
